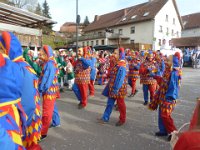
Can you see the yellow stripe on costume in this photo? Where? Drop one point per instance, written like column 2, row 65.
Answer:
column 16, row 113
column 31, row 70
column 20, row 57
column 16, row 138
column 10, row 103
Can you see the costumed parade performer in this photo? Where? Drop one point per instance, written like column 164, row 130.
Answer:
column 133, row 75
column 82, row 77
column 30, row 99
column 147, row 72
column 12, row 116
column 48, row 86
column 165, row 98
column 116, row 89
column 92, row 73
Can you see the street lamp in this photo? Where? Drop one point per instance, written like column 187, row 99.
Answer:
column 77, row 24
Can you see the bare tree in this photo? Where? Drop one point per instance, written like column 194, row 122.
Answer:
column 27, row 4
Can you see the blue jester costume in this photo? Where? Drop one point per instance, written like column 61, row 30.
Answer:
column 165, row 97
column 12, row 116
column 49, row 87
column 30, row 99
column 93, row 74
column 116, row 89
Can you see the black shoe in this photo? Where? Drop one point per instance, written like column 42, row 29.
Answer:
column 161, row 134
column 132, row 95
column 116, row 107
column 42, row 138
column 169, row 138
column 80, row 106
column 145, row 103
column 136, row 91
column 101, row 121
column 119, row 123
column 54, row 126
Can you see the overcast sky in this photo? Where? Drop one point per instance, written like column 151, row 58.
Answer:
column 65, row 10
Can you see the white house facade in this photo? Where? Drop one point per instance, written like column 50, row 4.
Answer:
column 154, row 27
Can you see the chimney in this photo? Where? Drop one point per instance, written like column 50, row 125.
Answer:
column 96, row 18
column 125, row 12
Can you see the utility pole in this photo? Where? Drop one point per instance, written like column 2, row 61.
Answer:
column 77, row 24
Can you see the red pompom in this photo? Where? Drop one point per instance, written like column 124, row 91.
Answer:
column 136, row 53
column 2, row 60
column 45, row 48
column 178, row 55
column 121, row 49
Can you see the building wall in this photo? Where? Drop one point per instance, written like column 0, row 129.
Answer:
column 148, row 32
column 160, row 20
column 191, row 32
column 143, row 34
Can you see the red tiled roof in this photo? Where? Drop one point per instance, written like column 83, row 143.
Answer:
column 115, row 18
column 186, row 41
column 191, row 21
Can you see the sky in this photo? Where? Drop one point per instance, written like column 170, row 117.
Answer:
column 65, row 10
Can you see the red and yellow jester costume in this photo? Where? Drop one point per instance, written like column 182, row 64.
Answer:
column 133, row 75
column 166, row 96
column 147, row 73
column 49, row 88
column 12, row 116
column 30, row 96
column 82, row 77
column 116, row 90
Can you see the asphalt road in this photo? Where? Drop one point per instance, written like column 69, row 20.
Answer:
column 80, row 131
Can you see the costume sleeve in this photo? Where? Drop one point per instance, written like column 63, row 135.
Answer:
column 47, row 79
column 173, row 88
column 137, row 66
column 86, row 62
column 181, row 143
column 161, row 69
column 121, row 74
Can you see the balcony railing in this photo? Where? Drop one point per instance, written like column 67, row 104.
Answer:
column 100, row 36
column 90, row 37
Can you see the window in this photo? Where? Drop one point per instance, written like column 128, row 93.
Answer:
column 99, row 33
column 177, row 33
column 120, row 31
column 133, row 17
column 161, row 29
column 172, row 32
column 87, row 43
column 170, row 42
column 102, row 42
column 174, row 21
column 167, row 18
column 159, row 42
column 167, row 31
column 132, row 41
column 83, row 43
column 97, row 42
column 92, row 43
column 146, row 14
column 123, row 19
column 132, row 30
column 163, row 42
